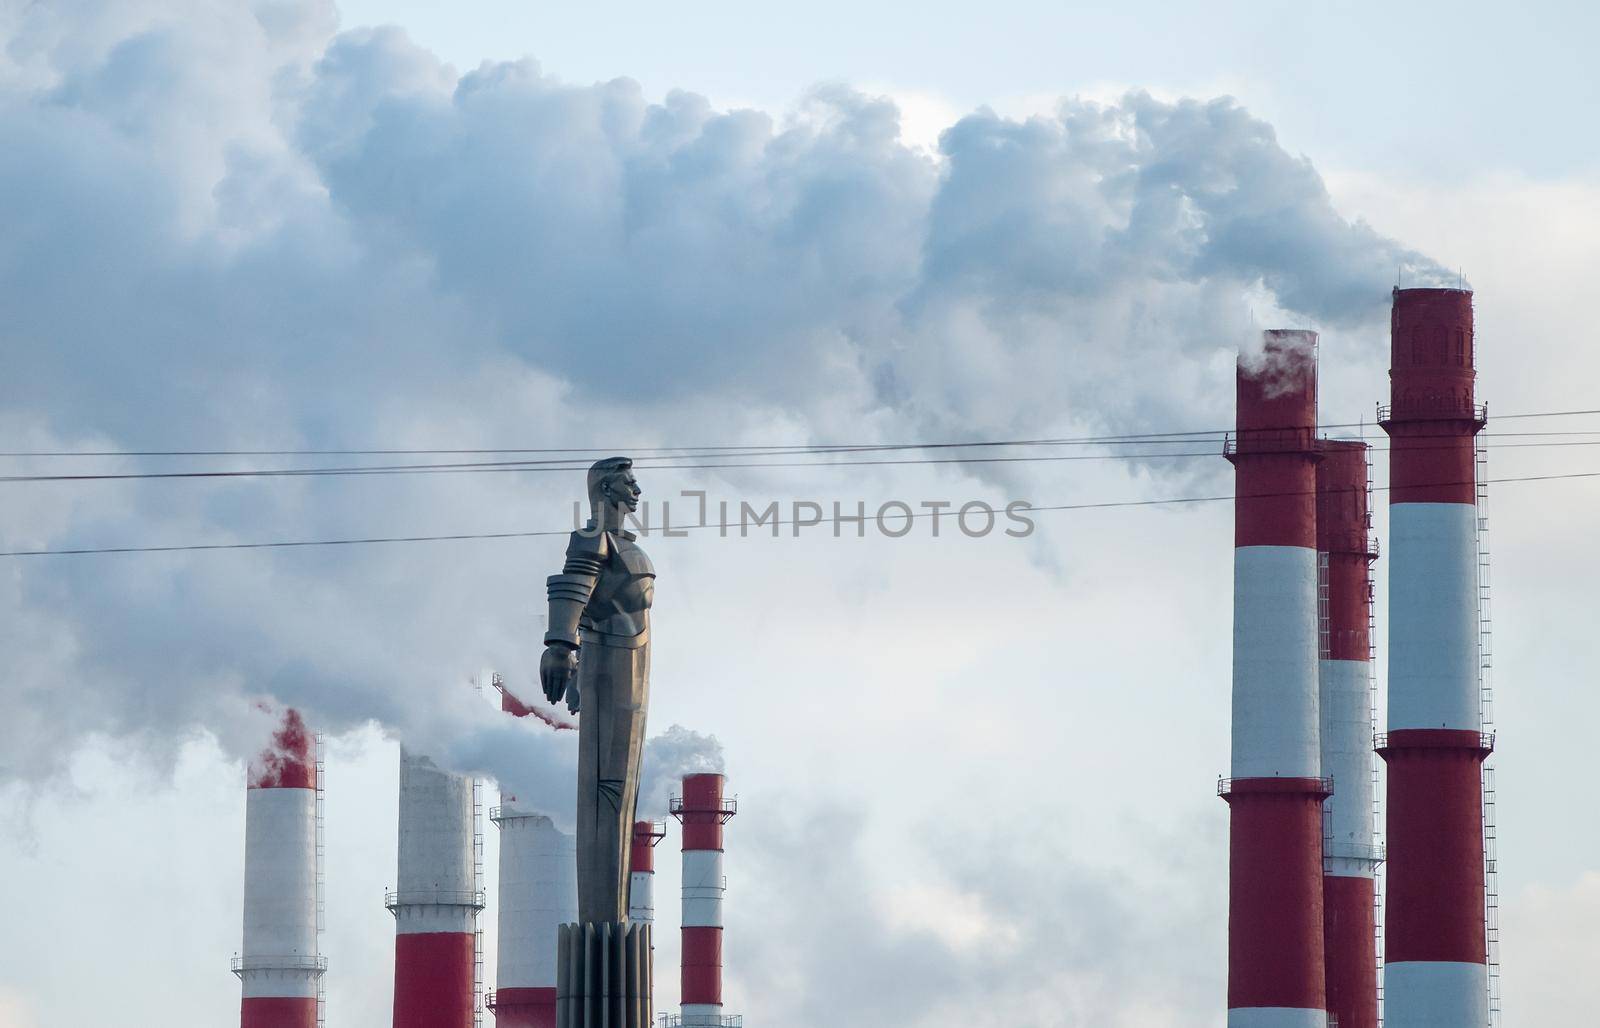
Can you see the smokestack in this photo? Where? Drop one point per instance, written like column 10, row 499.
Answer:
column 1435, row 967
column 538, row 893
column 437, row 900
column 1275, row 792
column 642, row 871
column 703, row 812
column 280, row 971
column 1346, row 549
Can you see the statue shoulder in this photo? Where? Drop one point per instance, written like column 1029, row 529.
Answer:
column 632, row 556
column 595, row 545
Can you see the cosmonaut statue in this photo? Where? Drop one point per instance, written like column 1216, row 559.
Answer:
column 597, row 658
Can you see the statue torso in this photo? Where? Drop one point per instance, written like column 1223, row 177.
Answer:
column 618, row 613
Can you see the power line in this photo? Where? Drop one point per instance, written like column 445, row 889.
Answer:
column 568, row 466
column 283, row 545
column 456, row 537
column 1546, row 414
column 578, row 453
column 655, row 452
column 535, row 466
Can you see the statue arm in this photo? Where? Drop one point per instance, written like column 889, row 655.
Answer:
column 569, row 594
column 569, row 591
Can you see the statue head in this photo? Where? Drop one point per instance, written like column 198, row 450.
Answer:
column 613, row 491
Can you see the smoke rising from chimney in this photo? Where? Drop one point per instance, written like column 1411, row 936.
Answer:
column 344, row 243
column 670, row 756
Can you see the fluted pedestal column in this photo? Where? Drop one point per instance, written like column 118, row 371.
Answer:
column 603, row 977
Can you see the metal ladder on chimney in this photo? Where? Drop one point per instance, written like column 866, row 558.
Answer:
column 477, row 888
column 1324, row 640
column 1378, row 869
column 320, row 769
column 1324, row 649
column 477, row 683
column 1491, row 891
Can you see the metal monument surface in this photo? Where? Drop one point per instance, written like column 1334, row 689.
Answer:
column 597, row 659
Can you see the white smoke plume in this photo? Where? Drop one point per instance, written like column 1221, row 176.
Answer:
column 1280, row 358
column 670, row 756
column 229, row 226
column 539, row 766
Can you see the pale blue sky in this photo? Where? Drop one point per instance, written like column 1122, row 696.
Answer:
column 1420, row 89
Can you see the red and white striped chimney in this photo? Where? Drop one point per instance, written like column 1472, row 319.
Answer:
column 1350, row 861
column 703, row 811
column 538, row 893
column 642, row 871
column 279, row 967
column 1435, row 959
column 437, row 898
column 1275, row 792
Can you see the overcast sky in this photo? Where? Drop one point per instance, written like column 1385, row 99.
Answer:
column 976, row 776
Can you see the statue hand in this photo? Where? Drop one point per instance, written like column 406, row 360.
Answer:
column 557, row 668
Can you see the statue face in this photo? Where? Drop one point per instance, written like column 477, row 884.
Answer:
column 623, row 490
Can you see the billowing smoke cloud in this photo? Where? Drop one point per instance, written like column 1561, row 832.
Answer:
column 539, row 766
column 288, row 756
column 525, row 757
column 670, row 756
column 228, row 227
